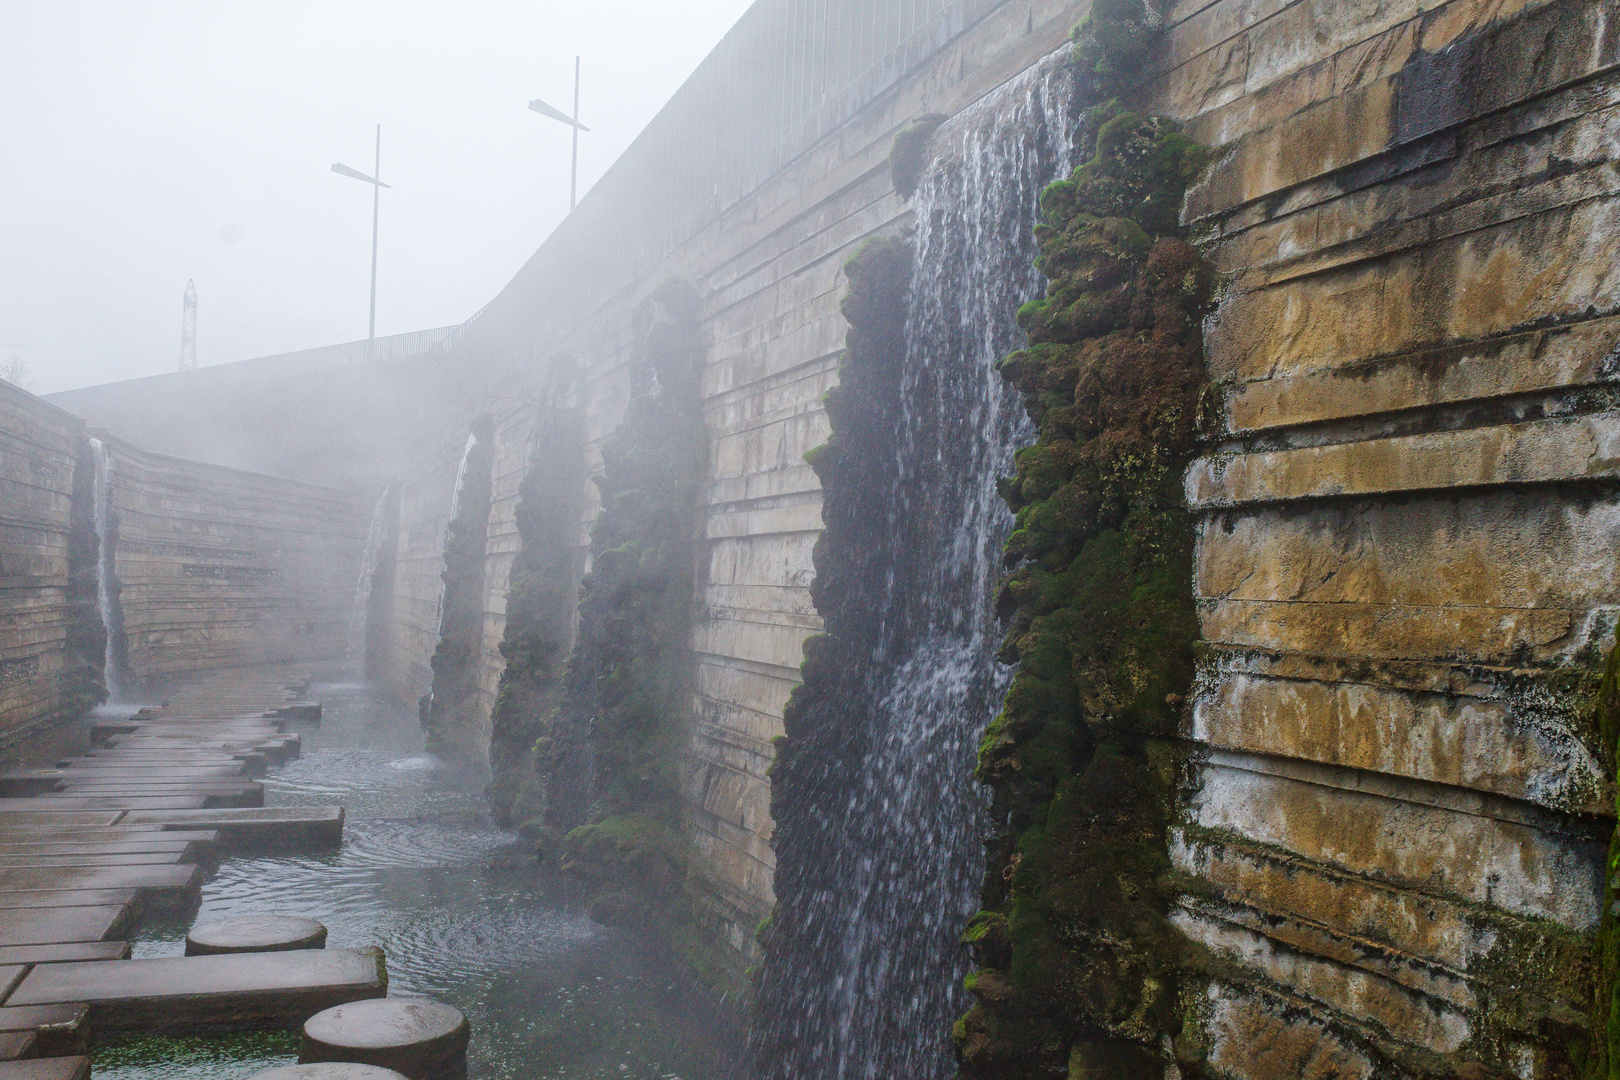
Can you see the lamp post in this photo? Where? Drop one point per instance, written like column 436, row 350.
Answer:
column 376, row 194
column 572, row 121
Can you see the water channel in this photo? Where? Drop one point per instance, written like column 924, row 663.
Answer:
column 463, row 914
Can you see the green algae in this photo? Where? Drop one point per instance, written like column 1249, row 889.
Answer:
column 1079, row 967
column 909, row 153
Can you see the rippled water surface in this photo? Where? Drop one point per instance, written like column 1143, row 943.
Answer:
column 462, row 914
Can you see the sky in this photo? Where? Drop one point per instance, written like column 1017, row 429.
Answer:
column 146, row 143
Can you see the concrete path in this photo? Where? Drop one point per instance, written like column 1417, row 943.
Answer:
column 92, row 842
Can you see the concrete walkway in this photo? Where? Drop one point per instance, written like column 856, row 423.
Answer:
column 92, row 842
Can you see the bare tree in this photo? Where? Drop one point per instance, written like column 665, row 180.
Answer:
column 15, row 371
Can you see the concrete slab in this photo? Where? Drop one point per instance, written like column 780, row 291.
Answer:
column 112, row 834
column 46, row 898
column 17, row 1044
column 160, row 887
column 46, row 804
column 55, row 1068
column 44, row 926
column 36, row 818
column 10, row 977
column 132, row 847
column 280, row 825
column 190, row 993
column 147, row 858
column 63, row 952
column 61, row 1029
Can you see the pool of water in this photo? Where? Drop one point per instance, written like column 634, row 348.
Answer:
column 464, row 915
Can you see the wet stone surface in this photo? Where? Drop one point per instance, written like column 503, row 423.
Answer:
column 329, row 1070
column 464, row 917
column 416, row 1036
column 255, row 933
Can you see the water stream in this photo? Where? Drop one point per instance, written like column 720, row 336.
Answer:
column 377, row 533
column 872, row 978
column 115, row 660
column 463, row 915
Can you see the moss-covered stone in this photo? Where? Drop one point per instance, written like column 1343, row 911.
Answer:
column 909, row 153
column 539, row 615
column 1079, row 965
column 625, row 713
column 452, row 705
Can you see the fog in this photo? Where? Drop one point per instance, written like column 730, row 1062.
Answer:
column 145, row 145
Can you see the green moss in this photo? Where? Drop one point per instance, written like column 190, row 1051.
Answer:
column 629, row 677
column 909, row 154
column 1079, row 965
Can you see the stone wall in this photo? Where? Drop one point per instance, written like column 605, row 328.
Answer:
column 222, row 567
column 40, row 672
column 1409, row 530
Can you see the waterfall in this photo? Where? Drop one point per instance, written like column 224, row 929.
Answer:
column 455, row 508
column 868, row 981
column 359, row 613
column 115, row 659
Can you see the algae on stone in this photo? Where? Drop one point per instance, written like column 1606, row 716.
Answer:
column 1078, row 962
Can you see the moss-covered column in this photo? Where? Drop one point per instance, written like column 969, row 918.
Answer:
column 540, row 608
column 1078, row 961
column 625, row 719
column 452, row 705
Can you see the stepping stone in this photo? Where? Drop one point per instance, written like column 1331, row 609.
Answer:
column 139, row 858
column 190, row 993
column 160, row 887
column 49, row 803
column 53, row 898
column 35, row 819
column 113, row 834
column 280, row 825
column 58, row 1068
column 64, row 952
column 160, row 844
column 45, row 926
column 255, row 933
column 17, row 1044
column 416, row 1036
column 330, row 1070
column 61, row 1029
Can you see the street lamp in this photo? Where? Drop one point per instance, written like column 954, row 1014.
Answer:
column 572, row 121
column 376, row 193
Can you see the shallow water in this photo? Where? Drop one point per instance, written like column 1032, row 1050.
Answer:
column 463, row 915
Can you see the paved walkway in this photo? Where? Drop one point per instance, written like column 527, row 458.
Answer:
column 94, row 841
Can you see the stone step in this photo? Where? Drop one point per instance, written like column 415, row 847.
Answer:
column 60, row 1029
column 112, row 834
column 142, row 858
column 190, row 993
column 37, row 818
column 56, row 1068
column 51, row 804
column 45, row 926
column 15, row 1045
column 270, row 825
column 51, row 898
column 61, row 952
column 160, row 887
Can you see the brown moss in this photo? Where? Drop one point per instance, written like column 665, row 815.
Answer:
column 1079, row 964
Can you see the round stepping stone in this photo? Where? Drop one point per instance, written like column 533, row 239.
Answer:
column 419, row 1037
column 330, row 1070
column 255, row 933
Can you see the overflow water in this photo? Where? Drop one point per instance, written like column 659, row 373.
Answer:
column 866, row 981
column 115, row 659
column 463, row 915
column 455, row 508
column 359, row 614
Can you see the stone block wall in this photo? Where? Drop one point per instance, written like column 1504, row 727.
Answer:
column 223, row 568
column 1393, row 823
column 39, row 454
column 1408, row 535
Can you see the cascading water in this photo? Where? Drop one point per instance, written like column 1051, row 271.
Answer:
column 359, row 614
column 115, row 660
column 455, row 509
column 866, row 982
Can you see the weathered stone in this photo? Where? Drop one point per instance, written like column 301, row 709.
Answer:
column 329, row 1070
column 421, row 1038
column 255, row 933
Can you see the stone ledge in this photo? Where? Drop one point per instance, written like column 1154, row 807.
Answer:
column 1533, row 452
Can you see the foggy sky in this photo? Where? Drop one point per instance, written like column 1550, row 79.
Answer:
column 143, row 143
